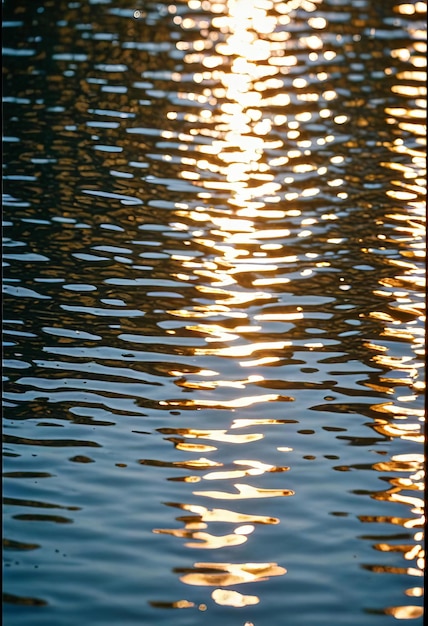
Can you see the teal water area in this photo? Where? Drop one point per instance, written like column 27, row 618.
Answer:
column 213, row 310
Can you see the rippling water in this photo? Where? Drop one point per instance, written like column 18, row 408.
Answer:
column 214, row 294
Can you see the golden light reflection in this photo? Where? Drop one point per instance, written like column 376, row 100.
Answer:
column 227, row 574
column 227, row 404
column 191, row 447
column 401, row 486
column 256, row 468
column 416, row 592
column 245, row 132
column 245, row 350
column 213, row 435
column 243, row 423
column 401, row 463
column 403, row 320
column 253, row 54
column 213, row 384
column 201, row 513
column 178, row 604
column 245, row 492
column 233, row 598
column 204, row 540
column 200, row 463
column 409, row 432
column 405, row 612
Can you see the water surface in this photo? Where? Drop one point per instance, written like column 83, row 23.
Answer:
column 213, row 319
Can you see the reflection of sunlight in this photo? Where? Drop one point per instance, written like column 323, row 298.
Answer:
column 246, row 350
column 178, row 604
column 245, row 68
column 193, row 447
column 226, row 404
column 252, row 162
column 205, row 540
column 251, row 58
column 222, row 515
column 212, row 435
column 256, row 468
column 200, row 464
column 233, row 598
column 243, row 423
column 405, row 612
column 213, row 384
column 244, row 492
column 413, row 466
column 226, row 574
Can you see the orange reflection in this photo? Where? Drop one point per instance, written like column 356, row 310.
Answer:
column 401, row 463
column 409, row 432
column 247, row 122
column 416, row 592
column 178, row 604
column 226, row 574
column 409, row 552
column 387, row 569
column 191, row 447
column 405, row 612
column 201, row 463
column 213, row 435
column 412, row 465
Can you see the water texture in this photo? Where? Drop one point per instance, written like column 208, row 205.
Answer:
column 213, row 312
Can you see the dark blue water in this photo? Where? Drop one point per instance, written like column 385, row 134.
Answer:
column 213, row 312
